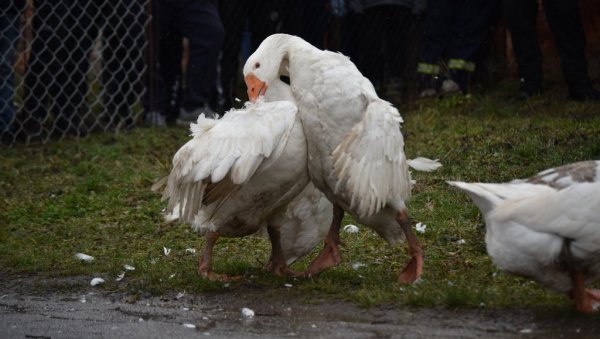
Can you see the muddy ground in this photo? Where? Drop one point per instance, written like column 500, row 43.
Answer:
column 32, row 307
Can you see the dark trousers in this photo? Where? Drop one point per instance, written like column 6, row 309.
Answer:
column 261, row 20
column 9, row 34
column 55, row 81
column 56, row 84
column 455, row 28
column 381, row 42
column 122, row 26
column 564, row 20
column 199, row 22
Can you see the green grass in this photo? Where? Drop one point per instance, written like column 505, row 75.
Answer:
column 93, row 196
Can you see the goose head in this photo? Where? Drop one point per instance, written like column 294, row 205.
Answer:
column 266, row 64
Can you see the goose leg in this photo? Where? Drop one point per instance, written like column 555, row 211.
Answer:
column 584, row 299
column 205, row 260
column 277, row 262
column 594, row 295
column 414, row 268
column 330, row 254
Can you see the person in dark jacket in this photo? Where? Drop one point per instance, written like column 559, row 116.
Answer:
column 564, row 19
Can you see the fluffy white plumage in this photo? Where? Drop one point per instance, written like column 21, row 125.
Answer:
column 237, row 175
column 355, row 147
column 546, row 227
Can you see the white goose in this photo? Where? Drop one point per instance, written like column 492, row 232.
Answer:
column 239, row 173
column 355, row 148
column 546, row 227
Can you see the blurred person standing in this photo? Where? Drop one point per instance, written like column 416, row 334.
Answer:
column 199, row 22
column 55, row 81
column 240, row 17
column 10, row 12
column 564, row 19
column 454, row 32
column 381, row 50
column 122, row 25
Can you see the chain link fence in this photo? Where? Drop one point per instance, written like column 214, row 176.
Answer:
column 70, row 67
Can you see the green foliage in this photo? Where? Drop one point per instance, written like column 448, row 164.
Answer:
column 93, row 196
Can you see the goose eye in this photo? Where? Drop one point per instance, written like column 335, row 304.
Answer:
column 257, row 65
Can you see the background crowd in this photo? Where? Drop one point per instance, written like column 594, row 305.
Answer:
column 183, row 57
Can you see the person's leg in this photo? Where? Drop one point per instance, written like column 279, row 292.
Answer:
column 123, row 59
column 234, row 16
column 469, row 29
column 436, row 36
column 369, row 42
column 9, row 33
column 75, row 29
column 43, row 71
column 199, row 21
column 564, row 19
column 397, row 51
column 521, row 18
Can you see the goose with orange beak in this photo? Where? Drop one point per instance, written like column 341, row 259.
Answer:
column 255, row 86
column 241, row 174
column 355, row 148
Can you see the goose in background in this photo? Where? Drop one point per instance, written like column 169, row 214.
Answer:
column 546, row 227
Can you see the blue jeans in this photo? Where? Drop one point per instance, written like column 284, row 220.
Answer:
column 9, row 33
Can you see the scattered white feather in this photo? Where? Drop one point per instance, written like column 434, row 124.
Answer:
column 420, row 227
column 424, row 164
column 460, row 242
column 288, row 285
column 180, row 295
column 237, row 99
column 190, row 250
column 357, row 265
column 128, row 267
column 141, row 320
column 172, row 275
column 248, row 313
column 96, row 281
column 188, row 325
column 166, row 251
column 526, row 331
column 351, row 229
column 84, row 257
column 120, row 276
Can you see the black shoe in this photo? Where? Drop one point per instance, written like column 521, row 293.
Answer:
column 529, row 89
column 583, row 91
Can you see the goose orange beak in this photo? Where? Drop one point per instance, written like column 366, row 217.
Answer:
column 256, row 87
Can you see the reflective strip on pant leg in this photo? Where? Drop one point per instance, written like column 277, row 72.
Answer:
column 461, row 64
column 425, row 68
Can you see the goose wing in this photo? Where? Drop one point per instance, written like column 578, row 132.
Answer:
column 225, row 154
column 369, row 164
column 571, row 213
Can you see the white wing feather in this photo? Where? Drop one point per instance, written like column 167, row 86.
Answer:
column 231, row 149
column 370, row 164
